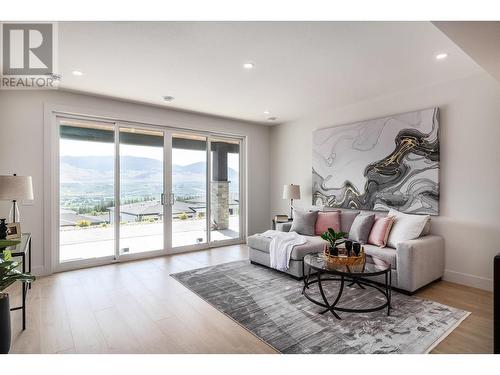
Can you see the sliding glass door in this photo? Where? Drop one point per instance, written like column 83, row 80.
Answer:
column 86, row 190
column 189, row 190
column 141, row 188
column 133, row 191
column 205, row 188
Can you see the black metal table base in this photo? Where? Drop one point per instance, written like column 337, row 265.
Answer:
column 333, row 307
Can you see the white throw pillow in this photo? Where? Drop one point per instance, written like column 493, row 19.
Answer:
column 405, row 227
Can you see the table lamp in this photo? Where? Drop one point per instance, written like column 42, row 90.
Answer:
column 291, row 192
column 15, row 188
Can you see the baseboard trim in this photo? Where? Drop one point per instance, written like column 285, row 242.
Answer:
column 38, row 271
column 468, row 279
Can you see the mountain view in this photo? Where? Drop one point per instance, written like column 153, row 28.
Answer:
column 87, row 182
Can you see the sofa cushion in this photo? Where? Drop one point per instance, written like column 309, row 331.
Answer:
column 327, row 220
column 283, row 227
column 380, row 231
column 346, row 219
column 259, row 242
column 361, row 227
column 427, row 229
column 379, row 214
column 304, row 222
column 330, row 209
column 387, row 254
column 313, row 245
column 405, row 227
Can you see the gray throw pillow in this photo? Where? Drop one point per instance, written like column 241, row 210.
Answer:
column 346, row 220
column 304, row 222
column 361, row 227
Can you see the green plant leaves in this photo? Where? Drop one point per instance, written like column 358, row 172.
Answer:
column 9, row 274
column 334, row 238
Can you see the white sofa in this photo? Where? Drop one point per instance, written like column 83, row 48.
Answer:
column 414, row 263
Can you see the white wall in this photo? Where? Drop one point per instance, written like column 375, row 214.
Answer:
column 470, row 166
column 22, row 149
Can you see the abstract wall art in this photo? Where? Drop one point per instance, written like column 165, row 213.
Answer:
column 390, row 162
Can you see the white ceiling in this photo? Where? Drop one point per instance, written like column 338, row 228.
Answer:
column 300, row 67
column 479, row 39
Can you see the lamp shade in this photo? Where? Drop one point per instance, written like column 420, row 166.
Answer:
column 16, row 188
column 291, row 191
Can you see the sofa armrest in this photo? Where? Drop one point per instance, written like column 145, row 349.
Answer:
column 419, row 261
column 284, row 227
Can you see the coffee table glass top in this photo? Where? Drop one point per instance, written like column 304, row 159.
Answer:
column 373, row 266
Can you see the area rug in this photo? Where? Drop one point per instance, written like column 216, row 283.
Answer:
column 270, row 305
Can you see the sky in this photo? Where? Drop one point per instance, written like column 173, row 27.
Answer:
column 180, row 157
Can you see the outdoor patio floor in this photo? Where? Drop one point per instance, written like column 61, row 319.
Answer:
column 95, row 242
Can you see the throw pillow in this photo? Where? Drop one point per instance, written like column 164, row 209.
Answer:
column 346, row 220
column 304, row 222
column 427, row 228
column 380, row 231
column 327, row 220
column 405, row 227
column 361, row 227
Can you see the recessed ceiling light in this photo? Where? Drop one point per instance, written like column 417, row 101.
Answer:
column 441, row 56
column 168, row 98
column 248, row 65
column 266, row 112
column 272, row 118
column 77, row 73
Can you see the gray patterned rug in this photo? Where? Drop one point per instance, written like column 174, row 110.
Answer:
column 270, row 304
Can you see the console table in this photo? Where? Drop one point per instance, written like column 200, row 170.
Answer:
column 23, row 250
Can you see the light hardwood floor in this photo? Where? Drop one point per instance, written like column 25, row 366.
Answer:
column 136, row 307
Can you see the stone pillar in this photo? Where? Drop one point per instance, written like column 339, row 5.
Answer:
column 220, row 187
column 220, row 205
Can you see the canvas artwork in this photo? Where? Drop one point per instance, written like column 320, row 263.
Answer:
column 390, row 162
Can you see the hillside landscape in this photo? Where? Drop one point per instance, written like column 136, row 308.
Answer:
column 88, row 181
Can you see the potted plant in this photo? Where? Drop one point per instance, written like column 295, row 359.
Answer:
column 8, row 275
column 334, row 239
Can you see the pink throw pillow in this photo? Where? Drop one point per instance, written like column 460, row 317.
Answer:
column 380, row 231
column 327, row 220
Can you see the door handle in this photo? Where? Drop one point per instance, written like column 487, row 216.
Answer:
column 171, row 199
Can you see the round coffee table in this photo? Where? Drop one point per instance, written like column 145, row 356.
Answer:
column 325, row 271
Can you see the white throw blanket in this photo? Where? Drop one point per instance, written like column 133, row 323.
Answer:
column 281, row 246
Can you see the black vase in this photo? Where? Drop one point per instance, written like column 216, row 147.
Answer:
column 4, row 323
column 356, row 247
column 348, row 245
column 3, row 229
column 348, row 248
